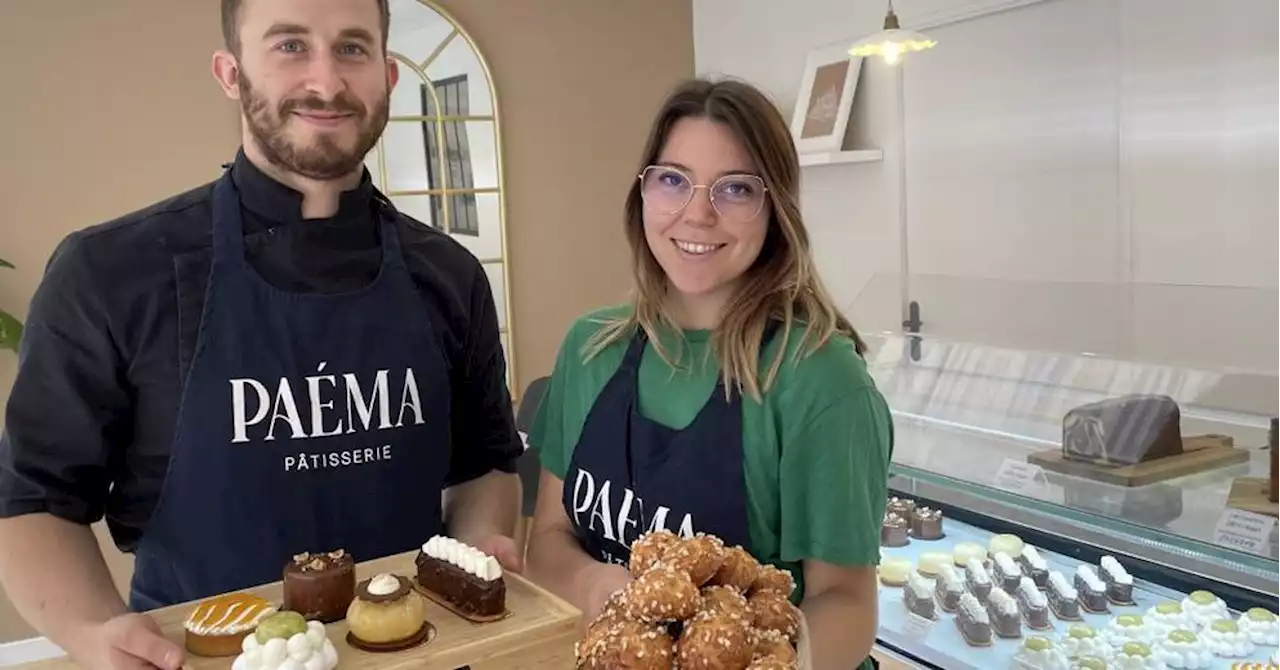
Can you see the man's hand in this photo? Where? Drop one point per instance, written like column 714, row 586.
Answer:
column 504, row 549
column 127, row 642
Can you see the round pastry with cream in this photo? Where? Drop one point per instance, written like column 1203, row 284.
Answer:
column 1136, row 656
column 1184, row 649
column 386, row 610
column 1129, row 628
column 929, row 562
column 1005, row 542
column 1167, row 615
column 1039, row 652
column 1082, row 640
column 285, row 640
column 1261, row 626
column 964, row 551
column 1225, row 638
column 1203, row 607
column 893, row 570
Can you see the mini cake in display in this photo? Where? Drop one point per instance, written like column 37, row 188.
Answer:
column 1165, row 616
column 1136, row 656
column 387, row 614
column 929, row 562
column 893, row 570
column 1202, row 608
column 1118, row 580
column 1183, row 649
column 964, row 551
column 1123, row 431
column 973, row 622
column 320, row 586
column 903, row 507
column 893, row 531
column 286, row 641
column 1034, row 605
column 1034, row 566
column 217, row 626
column 1005, row 542
column 1002, row 609
column 1039, row 652
column 918, row 596
column 1063, row 597
column 1129, row 628
column 463, row 576
column 1082, row 640
column 1004, row 572
column 1092, row 590
column 977, row 580
column 1225, row 638
column 1261, row 626
column 926, row 524
column 949, row 587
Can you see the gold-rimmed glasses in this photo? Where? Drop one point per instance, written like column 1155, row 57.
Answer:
column 735, row 197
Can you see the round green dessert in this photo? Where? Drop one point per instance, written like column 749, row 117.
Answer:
column 1260, row 614
column 1128, row 620
column 1182, row 636
column 1202, row 597
column 283, row 625
column 1224, row 626
column 1037, row 643
column 1136, row 649
column 1169, row 607
column 1091, row 663
column 1080, row 631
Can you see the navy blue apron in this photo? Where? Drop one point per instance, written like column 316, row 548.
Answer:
column 629, row 474
column 307, row 423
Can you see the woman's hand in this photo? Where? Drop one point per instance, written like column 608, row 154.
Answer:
column 606, row 580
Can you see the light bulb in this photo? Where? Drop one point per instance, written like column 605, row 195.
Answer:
column 892, row 52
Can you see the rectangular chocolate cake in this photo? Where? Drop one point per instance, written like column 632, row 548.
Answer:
column 1123, row 431
column 466, row 577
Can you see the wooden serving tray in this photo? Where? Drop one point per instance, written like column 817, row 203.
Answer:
column 1200, row 453
column 539, row 634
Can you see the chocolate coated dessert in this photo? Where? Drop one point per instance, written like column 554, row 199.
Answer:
column 1005, row 572
column 949, row 587
column 903, row 507
column 1123, row 431
column 1092, row 590
column 926, row 523
column 1119, row 581
column 918, row 596
column 1034, row 566
column 1063, row 597
column 464, row 576
column 973, row 622
column 893, row 531
column 320, row 587
column 976, row 579
column 1034, row 605
column 1006, row 620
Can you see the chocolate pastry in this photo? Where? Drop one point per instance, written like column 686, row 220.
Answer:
column 662, row 595
column 386, row 611
column 949, row 587
column 918, row 596
column 1034, row 566
column 903, row 507
column 715, row 641
column 628, row 644
column 926, row 524
column 893, row 531
column 976, row 579
column 1063, row 597
column 1119, row 582
column 738, row 570
column 1006, row 574
column 973, row 621
column 1123, row 431
column 320, row 587
column 1034, row 605
column 648, row 549
column 465, row 577
column 1006, row 621
column 1093, row 591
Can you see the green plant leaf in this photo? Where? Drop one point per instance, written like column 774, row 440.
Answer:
column 10, row 331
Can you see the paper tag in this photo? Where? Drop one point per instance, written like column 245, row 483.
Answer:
column 1246, row 531
column 917, row 627
column 1021, row 477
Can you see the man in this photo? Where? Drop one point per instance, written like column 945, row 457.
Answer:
column 273, row 363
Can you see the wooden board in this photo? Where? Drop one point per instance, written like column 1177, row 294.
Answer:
column 539, row 634
column 1250, row 495
column 1199, row 454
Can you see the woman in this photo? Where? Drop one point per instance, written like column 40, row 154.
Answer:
column 729, row 397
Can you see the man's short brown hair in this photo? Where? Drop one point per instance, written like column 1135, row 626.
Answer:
column 231, row 23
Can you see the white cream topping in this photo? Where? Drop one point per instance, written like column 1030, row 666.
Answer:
column 236, row 618
column 1052, row 658
column 1090, row 578
column 973, row 609
column 470, row 559
column 1076, row 647
column 1163, row 623
column 1228, row 644
column 1201, row 615
column 921, row 587
column 949, row 579
column 1266, row 633
column 1117, row 635
column 1183, row 655
column 311, row 650
column 977, row 572
column 1030, row 594
column 1062, row 586
column 1126, row 662
column 1115, row 571
column 1003, row 602
column 1006, row 565
column 383, row 584
column 1032, row 557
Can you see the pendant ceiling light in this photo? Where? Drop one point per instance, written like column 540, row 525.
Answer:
column 892, row 42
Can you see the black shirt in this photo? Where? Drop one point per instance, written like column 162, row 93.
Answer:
column 112, row 330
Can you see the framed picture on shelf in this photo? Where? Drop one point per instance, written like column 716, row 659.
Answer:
column 826, row 96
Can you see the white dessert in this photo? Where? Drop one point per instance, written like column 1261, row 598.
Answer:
column 1136, row 656
column 893, row 570
column 973, row 609
column 1227, row 639
column 1128, row 628
column 977, row 572
column 304, row 651
column 1183, row 650
column 1002, row 602
column 1166, row 616
column 920, row 587
column 1032, row 557
column 964, row 551
column 1261, row 626
column 1203, row 607
column 1005, row 565
column 1005, row 542
column 1029, row 593
column 1114, row 571
column 1041, row 654
column 1064, row 588
column 949, row 579
column 929, row 562
column 470, row 559
column 1090, row 578
column 1082, row 640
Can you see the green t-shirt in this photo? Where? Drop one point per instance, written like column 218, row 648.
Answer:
column 816, row 450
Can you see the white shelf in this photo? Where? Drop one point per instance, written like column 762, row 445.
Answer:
column 833, row 157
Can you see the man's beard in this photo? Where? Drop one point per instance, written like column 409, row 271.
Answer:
column 324, row 158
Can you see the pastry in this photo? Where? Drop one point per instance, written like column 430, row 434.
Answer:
column 217, row 626
column 929, row 562
column 926, row 524
column 1136, row 656
column 1034, row 605
column 1034, row 566
column 1004, row 572
column 648, row 549
column 1261, row 626
column 1090, row 663
column 462, row 576
column 771, row 611
column 771, row 643
column 918, row 596
column 628, row 644
column 948, row 587
column 715, row 641
column 973, row 622
column 772, row 663
column 1082, row 640
column 1119, row 582
column 1123, row 431
column 1009, row 544
column 386, row 611
column 661, row 595
column 903, row 507
column 1129, row 628
column 1202, row 608
column 772, row 579
column 1063, row 597
column 1039, row 652
column 1093, row 591
column 738, row 570
column 893, row 531
column 1225, row 638
column 701, row 556
column 1002, row 609
column 961, row 553
column 320, row 586
column 977, row 580
column 1183, row 649
column 1165, row 616
column 287, row 641
column 893, row 570
column 724, row 599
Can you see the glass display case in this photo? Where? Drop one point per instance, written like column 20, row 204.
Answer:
column 1168, row 471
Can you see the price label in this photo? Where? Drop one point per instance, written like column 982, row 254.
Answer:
column 1246, row 531
column 917, row 627
column 1021, row 477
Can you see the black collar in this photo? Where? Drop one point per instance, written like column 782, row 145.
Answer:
column 277, row 203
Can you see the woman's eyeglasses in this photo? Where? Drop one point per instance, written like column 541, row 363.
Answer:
column 736, row 197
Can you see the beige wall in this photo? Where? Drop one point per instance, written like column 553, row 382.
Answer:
column 111, row 107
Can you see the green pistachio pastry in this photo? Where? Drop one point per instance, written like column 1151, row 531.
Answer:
column 1128, row 620
column 1225, row 626
column 1202, row 597
column 1037, row 643
column 1080, row 631
column 1260, row 614
column 1136, row 649
column 1091, row 663
column 1183, row 636
column 283, row 625
column 1169, row 607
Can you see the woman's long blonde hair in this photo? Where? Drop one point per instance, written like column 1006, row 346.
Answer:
column 781, row 284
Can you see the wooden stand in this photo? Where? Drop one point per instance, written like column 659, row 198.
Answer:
column 1199, row 454
column 1250, row 495
column 539, row 634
